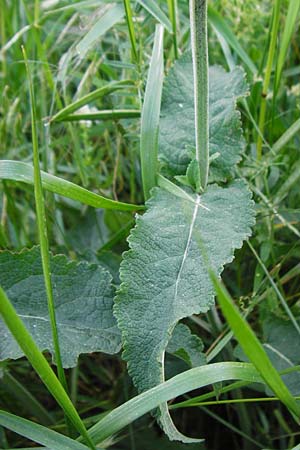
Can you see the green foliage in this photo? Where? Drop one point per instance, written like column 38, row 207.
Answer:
column 93, row 77
column 165, row 274
column 83, row 297
column 177, row 135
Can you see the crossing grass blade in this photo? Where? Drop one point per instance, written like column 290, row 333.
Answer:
column 128, row 12
column 217, row 21
column 180, row 384
column 286, row 136
column 111, row 16
column 253, row 348
column 290, row 22
column 151, row 113
column 42, row 226
column 23, row 172
column 152, row 7
column 40, row 364
column 173, row 19
column 108, row 114
column 267, row 77
column 38, row 433
column 92, row 96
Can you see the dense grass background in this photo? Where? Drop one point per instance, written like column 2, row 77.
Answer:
column 103, row 156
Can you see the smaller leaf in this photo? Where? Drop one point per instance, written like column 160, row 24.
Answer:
column 83, row 296
column 186, row 346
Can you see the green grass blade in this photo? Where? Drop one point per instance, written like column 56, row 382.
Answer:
column 111, row 16
column 198, row 23
column 267, row 77
column 286, row 186
column 293, row 10
column 277, row 291
column 151, row 113
column 108, row 114
column 176, row 386
column 287, row 136
column 38, row 433
column 253, row 348
column 23, row 396
column 128, row 13
column 230, row 387
column 152, row 7
column 221, row 26
column 40, row 364
column 92, row 96
column 42, row 228
column 23, row 172
column 173, row 19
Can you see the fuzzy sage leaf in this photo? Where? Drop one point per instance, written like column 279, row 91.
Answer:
column 164, row 274
column 83, row 297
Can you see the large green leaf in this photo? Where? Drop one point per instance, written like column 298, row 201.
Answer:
column 164, row 274
column 83, row 298
column 177, row 124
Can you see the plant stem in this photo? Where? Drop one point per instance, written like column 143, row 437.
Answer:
column 198, row 22
column 266, row 83
column 173, row 20
column 131, row 31
column 42, row 228
column 41, row 365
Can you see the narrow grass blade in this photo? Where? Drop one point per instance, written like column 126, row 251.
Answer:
column 229, row 388
column 267, row 77
column 40, row 364
column 131, row 30
column 151, row 113
column 30, row 403
column 198, row 23
column 92, row 96
column 285, row 188
column 253, row 348
column 152, row 7
column 289, row 26
column 111, row 16
column 109, row 114
column 176, row 386
column 169, row 186
column 287, row 136
column 277, row 291
column 173, row 19
column 221, row 26
column 42, row 226
column 38, row 433
column 23, row 172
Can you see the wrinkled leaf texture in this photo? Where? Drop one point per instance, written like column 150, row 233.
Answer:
column 83, row 296
column 165, row 273
column 177, row 127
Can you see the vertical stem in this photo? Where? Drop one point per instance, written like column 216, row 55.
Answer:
column 173, row 20
column 271, row 53
column 131, row 31
column 198, row 22
column 42, row 228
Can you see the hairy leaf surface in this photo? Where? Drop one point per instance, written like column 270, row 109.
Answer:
column 177, row 124
column 164, row 274
column 83, row 297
